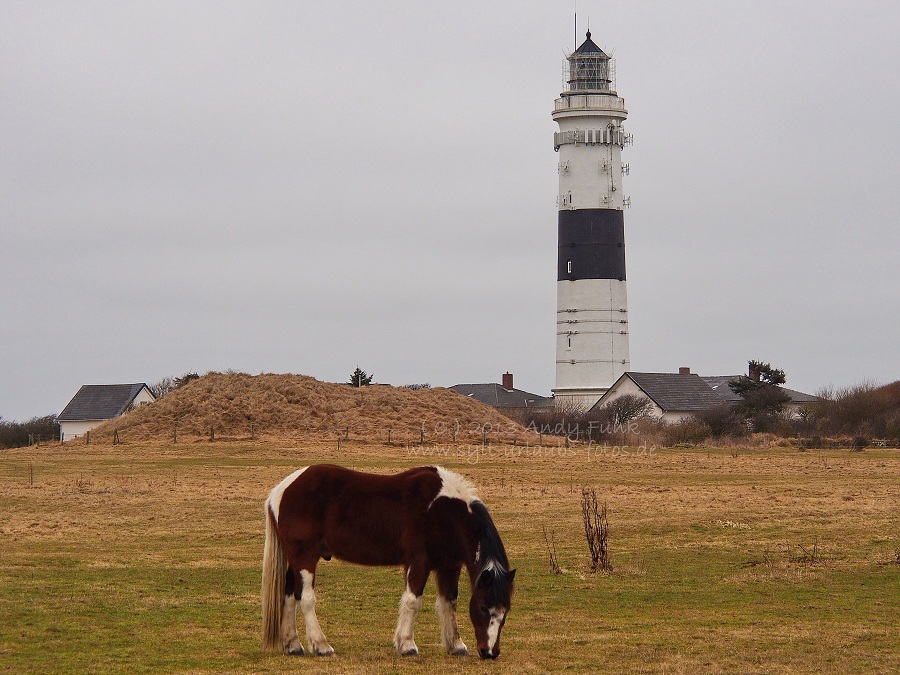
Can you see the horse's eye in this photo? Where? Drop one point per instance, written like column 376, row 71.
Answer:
column 484, row 609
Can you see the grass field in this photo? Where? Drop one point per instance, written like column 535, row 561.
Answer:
column 144, row 558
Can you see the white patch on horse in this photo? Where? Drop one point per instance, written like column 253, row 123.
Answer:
column 404, row 640
column 314, row 636
column 274, row 500
column 455, row 486
column 450, row 639
column 493, row 629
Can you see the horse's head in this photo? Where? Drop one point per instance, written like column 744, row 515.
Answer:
column 491, row 594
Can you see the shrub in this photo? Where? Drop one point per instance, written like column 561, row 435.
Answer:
column 596, row 530
column 688, row 431
column 861, row 410
column 724, row 420
column 21, row 434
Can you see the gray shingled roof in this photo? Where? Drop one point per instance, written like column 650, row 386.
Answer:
column 674, row 391
column 719, row 384
column 495, row 395
column 100, row 402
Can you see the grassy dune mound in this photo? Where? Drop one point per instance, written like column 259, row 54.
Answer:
column 297, row 406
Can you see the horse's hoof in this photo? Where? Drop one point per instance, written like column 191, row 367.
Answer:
column 323, row 649
column 413, row 651
column 295, row 651
column 461, row 651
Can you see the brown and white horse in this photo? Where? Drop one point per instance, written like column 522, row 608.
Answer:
column 426, row 519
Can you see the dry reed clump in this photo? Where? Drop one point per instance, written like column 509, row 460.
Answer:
column 237, row 405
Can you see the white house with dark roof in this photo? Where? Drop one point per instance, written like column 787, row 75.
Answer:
column 97, row 403
column 676, row 396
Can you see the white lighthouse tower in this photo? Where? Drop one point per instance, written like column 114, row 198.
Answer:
column 591, row 303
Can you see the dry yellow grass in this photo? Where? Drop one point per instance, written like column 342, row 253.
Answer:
column 145, row 557
column 301, row 407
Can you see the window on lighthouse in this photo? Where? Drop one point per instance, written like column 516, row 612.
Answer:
column 569, row 267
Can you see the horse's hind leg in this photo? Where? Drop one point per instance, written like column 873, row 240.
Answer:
column 445, row 606
column 290, row 641
column 318, row 645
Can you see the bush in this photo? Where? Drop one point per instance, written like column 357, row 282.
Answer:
column 861, row 410
column 689, row 431
column 724, row 420
column 556, row 420
column 21, row 434
column 859, row 442
column 619, row 425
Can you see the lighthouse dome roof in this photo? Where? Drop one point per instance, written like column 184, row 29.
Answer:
column 589, row 46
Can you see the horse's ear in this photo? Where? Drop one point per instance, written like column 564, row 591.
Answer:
column 484, row 580
column 511, row 576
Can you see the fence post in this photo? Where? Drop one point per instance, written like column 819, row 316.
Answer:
column 87, row 437
column 212, row 433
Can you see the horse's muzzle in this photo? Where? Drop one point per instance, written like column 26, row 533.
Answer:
column 487, row 654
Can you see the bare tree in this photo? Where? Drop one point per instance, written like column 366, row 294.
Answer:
column 550, row 541
column 627, row 407
column 163, row 387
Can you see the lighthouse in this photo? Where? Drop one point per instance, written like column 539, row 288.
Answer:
column 591, row 303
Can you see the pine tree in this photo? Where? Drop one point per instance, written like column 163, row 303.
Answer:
column 763, row 397
column 360, row 378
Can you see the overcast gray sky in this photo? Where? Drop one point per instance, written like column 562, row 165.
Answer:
column 308, row 187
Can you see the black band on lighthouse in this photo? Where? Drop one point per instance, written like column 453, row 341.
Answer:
column 591, row 244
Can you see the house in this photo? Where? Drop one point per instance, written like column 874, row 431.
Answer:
column 97, row 403
column 719, row 384
column 674, row 395
column 504, row 396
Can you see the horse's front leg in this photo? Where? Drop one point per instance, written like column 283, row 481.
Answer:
column 410, row 602
column 315, row 638
column 445, row 606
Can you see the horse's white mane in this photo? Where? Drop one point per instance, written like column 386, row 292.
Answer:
column 455, row 486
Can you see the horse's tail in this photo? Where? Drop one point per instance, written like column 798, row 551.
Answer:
column 274, row 570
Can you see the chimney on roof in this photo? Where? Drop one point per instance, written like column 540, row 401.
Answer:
column 684, row 370
column 754, row 372
column 507, row 381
